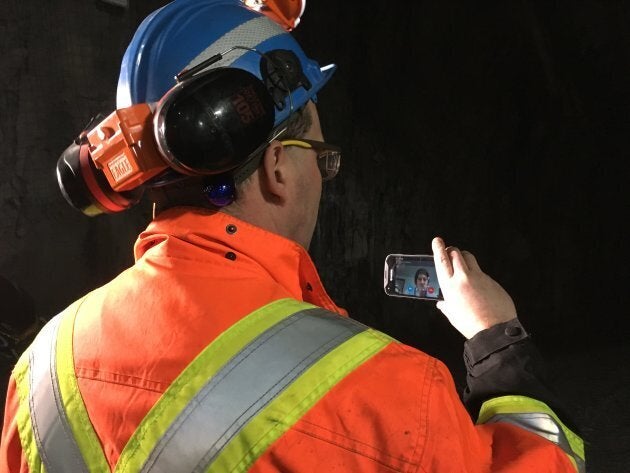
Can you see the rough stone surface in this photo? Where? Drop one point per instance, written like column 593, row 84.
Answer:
column 501, row 126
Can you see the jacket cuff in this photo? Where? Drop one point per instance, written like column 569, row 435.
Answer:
column 492, row 340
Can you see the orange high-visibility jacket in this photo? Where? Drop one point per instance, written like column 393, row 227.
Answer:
column 141, row 346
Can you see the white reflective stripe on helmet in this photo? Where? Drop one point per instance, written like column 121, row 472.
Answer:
column 56, row 444
column 250, row 34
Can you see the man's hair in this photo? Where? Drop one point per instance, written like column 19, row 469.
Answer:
column 296, row 126
column 421, row 271
column 188, row 191
column 298, row 123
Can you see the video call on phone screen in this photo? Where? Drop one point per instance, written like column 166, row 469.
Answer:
column 415, row 278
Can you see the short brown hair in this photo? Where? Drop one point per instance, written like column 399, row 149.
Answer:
column 296, row 126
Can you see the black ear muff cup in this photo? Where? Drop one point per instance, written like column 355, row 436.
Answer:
column 214, row 123
column 86, row 188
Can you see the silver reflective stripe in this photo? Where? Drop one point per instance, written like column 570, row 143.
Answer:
column 244, row 386
column 55, row 442
column 249, row 34
column 543, row 425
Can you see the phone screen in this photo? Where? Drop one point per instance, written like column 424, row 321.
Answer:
column 411, row 276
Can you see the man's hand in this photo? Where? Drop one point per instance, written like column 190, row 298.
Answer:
column 473, row 301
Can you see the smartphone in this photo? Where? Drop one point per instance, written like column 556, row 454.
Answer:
column 411, row 276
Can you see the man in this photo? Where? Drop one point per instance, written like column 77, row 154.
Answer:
column 422, row 288
column 219, row 350
column 421, row 279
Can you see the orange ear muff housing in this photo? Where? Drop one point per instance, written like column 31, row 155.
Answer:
column 84, row 186
column 123, row 147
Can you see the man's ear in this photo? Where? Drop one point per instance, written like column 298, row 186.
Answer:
column 275, row 164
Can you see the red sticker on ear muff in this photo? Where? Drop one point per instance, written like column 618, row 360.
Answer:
column 100, row 196
column 248, row 105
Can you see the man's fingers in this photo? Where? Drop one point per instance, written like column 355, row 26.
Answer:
column 459, row 263
column 471, row 261
column 443, row 266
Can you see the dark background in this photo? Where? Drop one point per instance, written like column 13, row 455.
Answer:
column 502, row 126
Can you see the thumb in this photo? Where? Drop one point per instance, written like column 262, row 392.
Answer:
column 444, row 308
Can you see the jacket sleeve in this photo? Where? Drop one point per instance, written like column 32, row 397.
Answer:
column 507, row 382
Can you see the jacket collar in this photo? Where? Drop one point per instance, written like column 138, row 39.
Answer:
column 215, row 234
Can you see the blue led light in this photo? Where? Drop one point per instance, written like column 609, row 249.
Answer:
column 220, row 191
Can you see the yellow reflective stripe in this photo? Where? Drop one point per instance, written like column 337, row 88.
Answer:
column 76, row 412
column 196, row 375
column 524, row 405
column 573, row 462
column 23, row 416
column 289, row 406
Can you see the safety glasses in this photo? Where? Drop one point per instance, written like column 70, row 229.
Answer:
column 328, row 156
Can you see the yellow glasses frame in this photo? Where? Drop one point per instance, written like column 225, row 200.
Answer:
column 328, row 156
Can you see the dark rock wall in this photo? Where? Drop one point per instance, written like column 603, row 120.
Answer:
column 501, row 126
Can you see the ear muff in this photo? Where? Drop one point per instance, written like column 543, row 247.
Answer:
column 209, row 124
column 212, row 123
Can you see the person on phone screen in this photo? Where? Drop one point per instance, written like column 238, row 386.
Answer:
column 422, row 287
column 219, row 349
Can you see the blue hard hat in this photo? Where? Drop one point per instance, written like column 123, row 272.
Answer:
column 184, row 33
